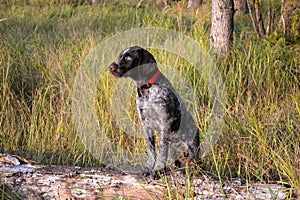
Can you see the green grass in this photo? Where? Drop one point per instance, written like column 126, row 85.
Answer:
column 44, row 45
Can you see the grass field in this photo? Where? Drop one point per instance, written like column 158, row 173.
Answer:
column 44, row 44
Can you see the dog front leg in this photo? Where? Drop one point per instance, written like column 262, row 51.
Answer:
column 162, row 154
column 150, row 141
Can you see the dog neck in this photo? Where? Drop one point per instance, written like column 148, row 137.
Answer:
column 150, row 82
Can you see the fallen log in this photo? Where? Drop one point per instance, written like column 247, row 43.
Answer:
column 24, row 179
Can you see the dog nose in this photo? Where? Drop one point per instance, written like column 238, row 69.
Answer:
column 113, row 67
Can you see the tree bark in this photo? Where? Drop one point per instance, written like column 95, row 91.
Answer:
column 221, row 36
column 24, row 179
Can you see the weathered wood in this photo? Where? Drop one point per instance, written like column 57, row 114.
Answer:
column 30, row 181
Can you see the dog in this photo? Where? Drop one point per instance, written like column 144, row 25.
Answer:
column 160, row 109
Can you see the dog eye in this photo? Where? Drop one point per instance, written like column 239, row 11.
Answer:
column 128, row 58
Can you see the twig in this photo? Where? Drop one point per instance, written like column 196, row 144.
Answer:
column 269, row 22
column 252, row 19
column 139, row 4
column 282, row 17
column 259, row 20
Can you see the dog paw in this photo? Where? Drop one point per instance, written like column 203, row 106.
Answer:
column 156, row 173
column 146, row 171
column 178, row 164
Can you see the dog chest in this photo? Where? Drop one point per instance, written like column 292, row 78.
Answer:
column 158, row 108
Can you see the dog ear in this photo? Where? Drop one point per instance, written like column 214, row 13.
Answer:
column 145, row 57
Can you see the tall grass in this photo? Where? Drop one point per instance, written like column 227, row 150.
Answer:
column 44, row 44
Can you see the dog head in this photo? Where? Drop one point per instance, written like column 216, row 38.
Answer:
column 134, row 62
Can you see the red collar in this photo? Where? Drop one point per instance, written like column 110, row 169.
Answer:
column 150, row 82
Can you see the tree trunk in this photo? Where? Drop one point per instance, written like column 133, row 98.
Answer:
column 240, row 7
column 221, row 36
column 289, row 23
column 194, row 3
column 96, row 1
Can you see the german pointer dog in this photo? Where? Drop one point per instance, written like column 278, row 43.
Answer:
column 160, row 109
